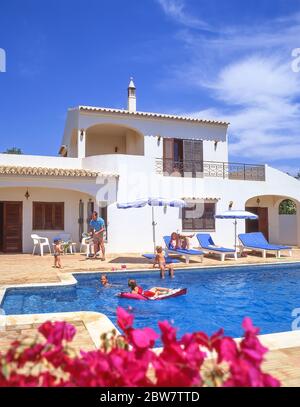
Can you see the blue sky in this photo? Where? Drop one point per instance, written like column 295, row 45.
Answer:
column 222, row 59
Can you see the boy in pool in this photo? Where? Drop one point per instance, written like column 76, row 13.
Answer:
column 104, row 281
column 153, row 292
column 160, row 260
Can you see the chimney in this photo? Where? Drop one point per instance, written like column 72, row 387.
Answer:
column 131, row 105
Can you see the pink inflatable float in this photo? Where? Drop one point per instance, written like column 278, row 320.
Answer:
column 172, row 293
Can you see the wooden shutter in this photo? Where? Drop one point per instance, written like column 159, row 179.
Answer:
column 196, row 219
column 168, row 155
column 187, row 217
column 198, row 155
column 12, row 227
column 209, row 215
column 58, row 216
column 48, row 216
column 192, row 157
column 37, row 216
column 188, row 158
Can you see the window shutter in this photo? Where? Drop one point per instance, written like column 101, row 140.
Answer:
column 202, row 218
column 188, row 157
column 58, row 209
column 193, row 156
column 198, row 155
column 168, row 155
column 48, row 216
column 37, row 216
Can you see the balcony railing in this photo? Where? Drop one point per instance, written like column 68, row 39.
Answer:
column 198, row 169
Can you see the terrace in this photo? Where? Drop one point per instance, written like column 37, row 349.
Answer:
column 203, row 169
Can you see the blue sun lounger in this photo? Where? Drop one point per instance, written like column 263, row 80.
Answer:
column 207, row 244
column 257, row 241
column 181, row 252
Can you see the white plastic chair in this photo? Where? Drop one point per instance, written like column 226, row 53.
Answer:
column 41, row 242
column 87, row 245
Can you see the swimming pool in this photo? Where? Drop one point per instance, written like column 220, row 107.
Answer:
column 218, row 297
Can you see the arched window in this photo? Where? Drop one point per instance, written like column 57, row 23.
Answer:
column 287, row 207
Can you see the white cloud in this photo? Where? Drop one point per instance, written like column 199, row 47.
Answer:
column 256, row 80
column 247, row 71
column 176, row 9
column 259, row 97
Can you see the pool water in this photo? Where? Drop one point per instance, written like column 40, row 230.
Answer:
column 219, row 297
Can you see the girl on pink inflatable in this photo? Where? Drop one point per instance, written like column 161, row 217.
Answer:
column 153, row 292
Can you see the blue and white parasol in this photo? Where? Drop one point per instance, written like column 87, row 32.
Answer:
column 140, row 203
column 236, row 215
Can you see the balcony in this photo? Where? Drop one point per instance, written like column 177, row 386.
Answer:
column 198, row 169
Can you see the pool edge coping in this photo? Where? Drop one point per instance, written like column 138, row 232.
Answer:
column 96, row 323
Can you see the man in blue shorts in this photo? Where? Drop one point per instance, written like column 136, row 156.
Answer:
column 97, row 226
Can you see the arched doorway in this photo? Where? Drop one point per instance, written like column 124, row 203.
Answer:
column 277, row 218
column 262, row 223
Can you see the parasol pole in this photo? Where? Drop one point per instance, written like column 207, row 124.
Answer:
column 153, row 229
column 235, row 237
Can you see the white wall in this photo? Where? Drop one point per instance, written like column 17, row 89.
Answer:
column 288, row 229
column 70, row 125
column 215, row 152
column 155, row 126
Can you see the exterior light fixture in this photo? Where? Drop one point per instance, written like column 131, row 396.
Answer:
column 230, row 205
column 81, row 134
column 258, row 201
column 27, row 194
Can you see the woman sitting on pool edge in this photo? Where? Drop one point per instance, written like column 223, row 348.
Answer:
column 153, row 292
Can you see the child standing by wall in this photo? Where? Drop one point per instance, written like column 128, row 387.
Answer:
column 57, row 254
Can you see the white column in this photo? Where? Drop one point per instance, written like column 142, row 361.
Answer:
column 81, row 142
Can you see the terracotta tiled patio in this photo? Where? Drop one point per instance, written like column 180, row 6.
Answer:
column 25, row 268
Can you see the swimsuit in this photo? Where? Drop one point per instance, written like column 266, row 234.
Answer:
column 145, row 293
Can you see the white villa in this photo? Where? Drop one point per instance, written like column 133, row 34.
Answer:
column 113, row 155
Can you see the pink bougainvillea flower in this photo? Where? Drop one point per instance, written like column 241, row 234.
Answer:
column 124, row 319
column 143, row 338
column 53, row 362
column 56, row 332
column 249, row 327
column 168, row 332
column 227, row 350
column 210, row 342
